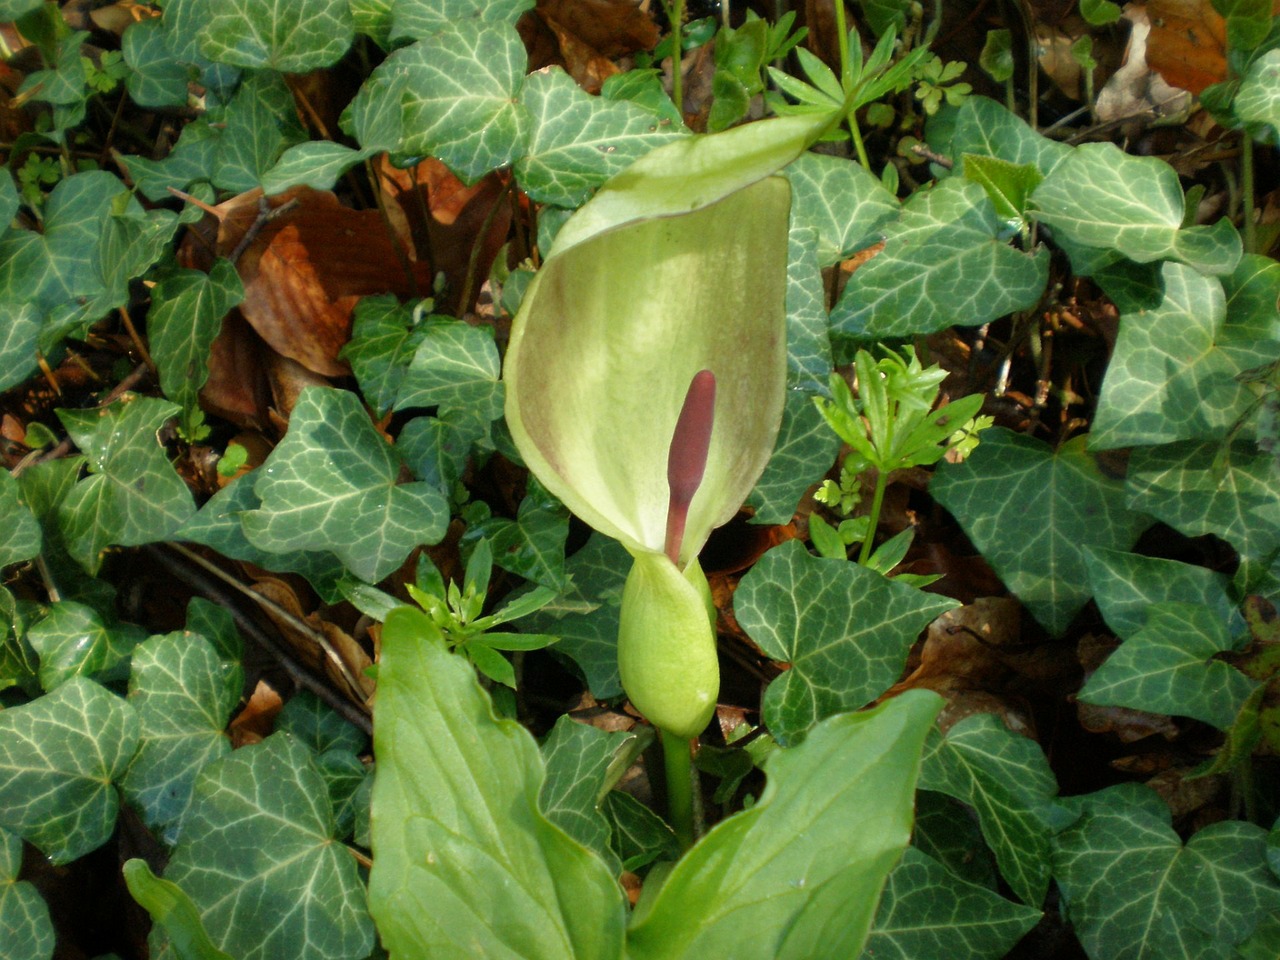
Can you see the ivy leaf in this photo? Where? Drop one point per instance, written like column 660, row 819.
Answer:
column 436, row 449
column 187, row 308
column 171, row 909
column 415, row 19
column 577, row 141
column 461, row 100
column 58, row 756
column 808, row 343
column 1101, row 197
column 19, row 333
column 947, row 831
column 22, row 538
column 294, row 37
column 319, row 727
column 1168, row 667
column 638, row 836
column 1259, row 98
column 183, row 697
column 944, row 263
column 24, row 916
column 844, row 629
column 840, row 200
column 1006, row 779
column 331, row 484
column 927, row 911
column 1198, row 488
column 192, row 158
column 384, row 337
column 985, row 128
column 806, row 448
column 75, row 640
column 1133, row 890
column 455, row 367
column 1126, row 584
column 259, row 123
column 1031, row 512
column 317, row 164
column 1007, row 184
column 133, row 495
column 446, row 873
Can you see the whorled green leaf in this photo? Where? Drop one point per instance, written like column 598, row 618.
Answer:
column 384, row 337
column 844, row 629
column 1133, row 890
column 805, row 450
column 73, row 639
column 927, row 911
column 1168, row 666
column 577, row 141
column 1031, row 511
column 461, row 100
column 186, row 314
column 463, row 858
column 1259, row 98
column 257, row 857
column 1101, row 197
column 331, row 484
column 22, row 536
column 183, row 697
column 1232, row 492
column 24, row 916
column 1006, row 779
column 454, row 367
column 173, row 910
column 58, row 757
column 945, row 262
column 1126, row 584
column 293, row 37
column 133, row 495
column 19, row 333
column 839, row 199
column 789, row 879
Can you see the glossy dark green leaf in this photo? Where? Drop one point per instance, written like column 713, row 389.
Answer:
column 19, row 333
column 290, row 37
column 987, row 129
column 22, row 536
column 1126, row 584
column 384, row 337
column 845, row 204
column 638, row 836
column 415, row 19
column 253, row 130
column 454, row 367
column 173, row 910
column 805, row 450
column 808, row 343
column 74, row 639
column 532, row 545
column 24, row 916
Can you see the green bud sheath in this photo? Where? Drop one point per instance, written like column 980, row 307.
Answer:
column 667, row 645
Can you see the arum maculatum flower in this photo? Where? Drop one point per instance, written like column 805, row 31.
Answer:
column 645, row 382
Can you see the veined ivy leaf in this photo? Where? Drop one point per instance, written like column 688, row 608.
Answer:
column 788, row 877
column 156, row 77
column 638, row 836
column 375, row 117
column 13, row 9
column 319, row 727
column 186, row 314
column 58, row 756
column 373, row 19
column 577, row 141
column 22, row 538
column 455, row 366
column 987, row 129
column 318, row 164
column 171, row 909
column 1031, row 512
column 331, row 484
column 1007, row 184
column 1006, row 779
column 183, row 698
column 462, row 854
column 259, row 123
column 9, row 201
column 192, row 158
column 1251, row 335
column 944, row 263
column 257, row 856
column 19, row 333
column 294, row 37
column 1168, row 379
column 947, row 831
column 1126, row 584
column 415, row 19
column 585, row 617
column 384, row 337
column 808, row 344
column 1198, row 488
column 24, row 916
column 216, row 625
column 1134, row 891
column 844, row 629
column 1168, row 667
column 133, row 495
column 927, row 911
column 1100, row 196
column 805, row 449
column 532, row 545
column 461, row 101
column 74, row 639
column 436, row 449
column 839, row 199
column 1259, row 98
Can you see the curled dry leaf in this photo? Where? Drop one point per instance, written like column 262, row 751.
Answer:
column 1136, row 91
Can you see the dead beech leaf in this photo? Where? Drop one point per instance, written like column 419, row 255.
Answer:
column 1136, row 91
column 255, row 722
column 1188, row 43
column 614, row 28
column 237, row 389
column 587, row 65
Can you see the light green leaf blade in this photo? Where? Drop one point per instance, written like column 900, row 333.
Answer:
column 1133, row 891
column 1031, row 512
column 133, row 495
column 986, row 128
column 944, row 263
column 1006, row 779
column 462, row 854
column 24, row 916
column 257, row 856
column 293, row 37
column 19, row 333
column 1101, row 197
column 927, row 911
column 74, row 639
column 805, row 450
column 839, row 199
column 22, row 538
column 186, row 315
column 173, row 910
column 1126, row 584
column 455, row 367
column 577, row 141
column 1007, row 184
column 58, row 757
column 1259, row 98
column 183, row 697
column 1200, row 488
column 331, row 484
column 786, row 879
column 317, row 164
column 461, row 96
column 844, row 629
column 638, row 835
column 1168, row 667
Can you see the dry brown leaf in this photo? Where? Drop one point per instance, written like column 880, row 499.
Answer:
column 237, row 388
column 1188, row 42
column 256, row 721
column 587, row 65
column 613, row 28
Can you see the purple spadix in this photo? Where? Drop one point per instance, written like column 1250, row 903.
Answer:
column 687, row 458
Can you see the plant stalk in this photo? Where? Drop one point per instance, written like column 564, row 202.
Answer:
column 1247, row 200
column 873, row 521
column 679, row 770
column 675, row 14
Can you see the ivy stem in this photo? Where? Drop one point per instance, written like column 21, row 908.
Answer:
column 1246, row 178
column 678, row 763
column 873, row 520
